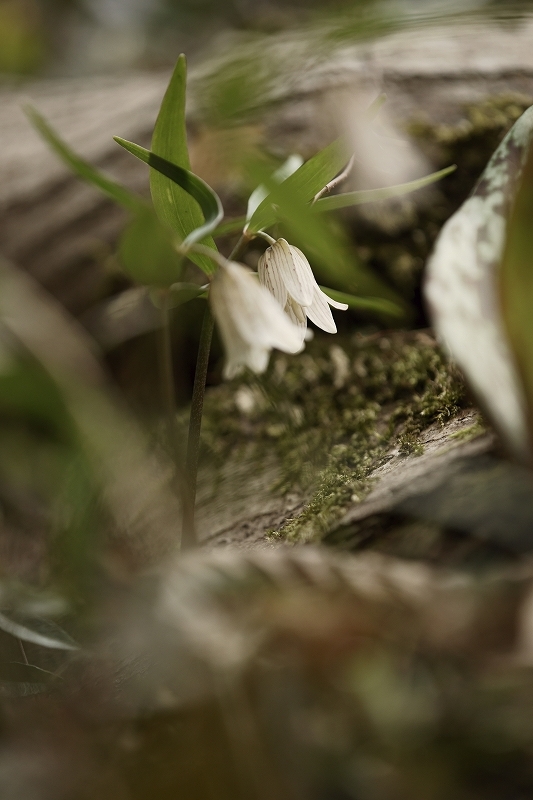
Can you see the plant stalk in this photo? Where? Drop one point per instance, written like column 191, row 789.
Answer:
column 166, row 371
column 188, row 536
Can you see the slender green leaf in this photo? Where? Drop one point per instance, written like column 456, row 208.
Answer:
column 378, row 305
column 194, row 186
column 82, row 168
column 372, row 195
column 147, row 253
column 287, row 169
column 304, row 183
column 36, row 630
column 230, row 226
column 171, row 199
column 178, row 294
column 327, row 247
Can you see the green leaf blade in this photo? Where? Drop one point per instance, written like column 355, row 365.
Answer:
column 347, row 199
column 147, row 253
column 309, row 179
column 124, row 197
column 198, row 192
column 374, row 305
column 172, row 203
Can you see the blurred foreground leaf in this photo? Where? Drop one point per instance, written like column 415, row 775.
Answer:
column 478, row 288
column 134, row 487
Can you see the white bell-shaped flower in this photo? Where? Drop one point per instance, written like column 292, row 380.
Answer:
column 286, row 273
column 251, row 323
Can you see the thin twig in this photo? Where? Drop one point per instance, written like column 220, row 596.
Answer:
column 335, row 182
column 23, row 651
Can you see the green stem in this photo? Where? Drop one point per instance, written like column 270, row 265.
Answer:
column 188, row 536
column 166, row 367
column 166, row 372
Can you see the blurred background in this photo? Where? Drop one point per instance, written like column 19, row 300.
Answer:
column 73, row 37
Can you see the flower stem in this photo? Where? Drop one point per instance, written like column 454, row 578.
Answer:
column 188, row 536
column 166, row 372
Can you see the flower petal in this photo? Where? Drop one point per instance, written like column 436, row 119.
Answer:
column 270, row 278
column 294, row 270
column 319, row 312
column 251, row 321
column 297, row 316
column 335, row 303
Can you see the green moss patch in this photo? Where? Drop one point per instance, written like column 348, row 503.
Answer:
column 331, row 415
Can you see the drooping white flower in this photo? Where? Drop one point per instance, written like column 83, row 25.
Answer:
column 251, row 323
column 285, row 272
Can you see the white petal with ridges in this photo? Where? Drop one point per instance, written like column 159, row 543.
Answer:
column 294, row 270
column 270, row 278
column 297, row 316
column 319, row 312
column 250, row 320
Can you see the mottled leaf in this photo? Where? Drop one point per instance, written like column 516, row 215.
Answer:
column 516, row 285
column 462, row 288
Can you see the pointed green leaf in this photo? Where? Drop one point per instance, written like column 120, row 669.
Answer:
column 372, row 195
column 305, row 183
column 82, row 168
column 377, row 305
column 36, row 630
column 325, row 246
column 172, row 202
column 147, row 253
column 287, row 169
column 195, row 188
